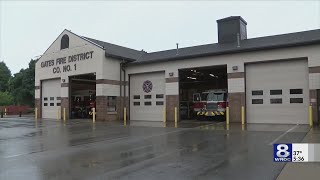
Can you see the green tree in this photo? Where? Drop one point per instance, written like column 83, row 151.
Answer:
column 5, row 99
column 21, row 85
column 5, row 75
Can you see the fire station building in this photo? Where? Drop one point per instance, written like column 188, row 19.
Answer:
column 275, row 78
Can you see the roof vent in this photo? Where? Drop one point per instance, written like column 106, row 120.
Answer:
column 230, row 27
column 177, row 49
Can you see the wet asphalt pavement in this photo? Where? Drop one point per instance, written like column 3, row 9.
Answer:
column 79, row 149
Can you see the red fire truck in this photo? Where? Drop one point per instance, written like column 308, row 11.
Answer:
column 210, row 103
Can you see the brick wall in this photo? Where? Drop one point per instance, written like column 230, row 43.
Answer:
column 102, row 111
column 313, row 95
column 37, row 104
column 101, row 107
column 236, row 95
column 172, row 101
column 65, row 104
column 236, row 100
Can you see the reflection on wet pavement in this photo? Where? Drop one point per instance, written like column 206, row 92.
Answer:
column 79, row 149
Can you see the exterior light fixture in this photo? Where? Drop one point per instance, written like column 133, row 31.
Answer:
column 234, row 68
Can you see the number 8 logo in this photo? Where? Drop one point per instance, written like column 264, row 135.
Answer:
column 282, row 150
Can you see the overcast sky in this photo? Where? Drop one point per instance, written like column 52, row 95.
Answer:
column 28, row 28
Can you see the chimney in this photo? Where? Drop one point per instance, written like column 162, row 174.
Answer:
column 231, row 29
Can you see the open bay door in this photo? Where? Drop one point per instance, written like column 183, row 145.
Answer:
column 51, row 100
column 147, row 96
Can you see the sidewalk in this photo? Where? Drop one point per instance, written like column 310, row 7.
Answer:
column 306, row 170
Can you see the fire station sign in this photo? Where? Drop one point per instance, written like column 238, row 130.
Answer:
column 65, row 61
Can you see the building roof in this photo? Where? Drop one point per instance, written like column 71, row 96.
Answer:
column 246, row 45
column 117, row 51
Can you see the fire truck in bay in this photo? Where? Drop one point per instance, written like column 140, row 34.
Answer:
column 210, row 103
column 82, row 102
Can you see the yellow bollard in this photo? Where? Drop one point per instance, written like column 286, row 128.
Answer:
column 242, row 115
column 175, row 117
column 310, row 116
column 227, row 116
column 93, row 115
column 93, row 126
column 36, row 113
column 164, row 115
column 64, row 114
column 5, row 111
column 125, row 116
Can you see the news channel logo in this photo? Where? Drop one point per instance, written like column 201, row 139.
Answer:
column 282, row 152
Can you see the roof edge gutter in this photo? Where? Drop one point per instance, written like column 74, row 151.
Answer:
column 229, row 52
column 119, row 57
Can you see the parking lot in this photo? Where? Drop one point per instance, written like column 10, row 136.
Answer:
column 79, row 149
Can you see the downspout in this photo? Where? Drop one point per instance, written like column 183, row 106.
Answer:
column 124, row 84
column 121, row 64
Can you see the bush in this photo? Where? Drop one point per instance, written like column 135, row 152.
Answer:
column 5, row 99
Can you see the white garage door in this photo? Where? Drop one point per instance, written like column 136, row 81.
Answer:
column 277, row 92
column 50, row 98
column 147, row 96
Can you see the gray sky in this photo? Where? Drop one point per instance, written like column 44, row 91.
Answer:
column 28, row 28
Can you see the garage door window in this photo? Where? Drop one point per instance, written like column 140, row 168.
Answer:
column 136, row 97
column 296, row 91
column 58, row 104
column 147, row 96
column 45, row 104
column 51, row 104
column 148, row 103
column 111, row 105
column 296, row 100
column 136, row 103
column 45, row 99
column 159, row 96
column 257, row 93
column 257, row 101
column 159, row 103
column 276, row 101
column 276, row 92
column 51, row 98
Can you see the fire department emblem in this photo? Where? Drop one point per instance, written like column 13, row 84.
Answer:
column 147, row 86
